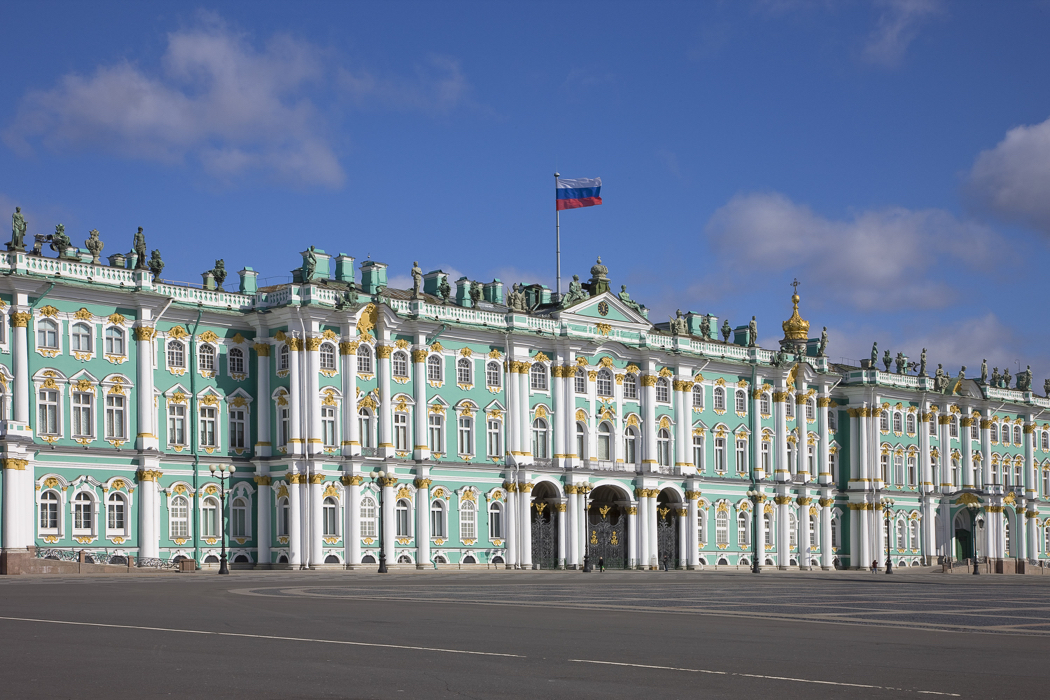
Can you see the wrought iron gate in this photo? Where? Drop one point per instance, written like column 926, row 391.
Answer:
column 544, row 537
column 667, row 538
column 607, row 539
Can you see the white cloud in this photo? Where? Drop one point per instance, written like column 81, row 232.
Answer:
column 898, row 26
column 967, row 343
column 874, row 260
column 438, row 86
column 1013, row 179
column 217, row 100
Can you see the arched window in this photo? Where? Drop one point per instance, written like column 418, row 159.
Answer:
column 763, row 404
column 663, row 447
column 740, row 401
column 364, row 425
column 1044, row 440
column 630, row 386
column 722, row 527
column 115, row 341
column 492, row 375
column 898, row 426
column 81, row 340
column 326, row 357
column 884, row 467
column 495, row 520
column 463, row 371
column 581, row 440
column 605, row 383
column 698, row 451
column 630, row 446
column 364, row 359
column 368, row 517
column 539, row 438
column 955, row 473
column 47, row 408
column 437, row 519
column 179, row 518
column 538, row 377
column 282, row 517
column 468, row 520
column 974, row 430
column 581, row 381
column 743, row 530
column 284, row 361
column 239, row 518
column 698, row 395
column 701, row 525
column 235, row 361
column 46, row 333
column 176, row 354
column 663, row 390
column 833, row 420
column 49, row 511
column 205, row 357
column 911, row 423
column 720, row 399
column 210, row 518
column 434, row 365
column 1017, row 434
column 436, row 435
column 604, row 442
column 993, row 433
column 330, row 509
column 1006, row 536
column 765, row 450
column 902, row 533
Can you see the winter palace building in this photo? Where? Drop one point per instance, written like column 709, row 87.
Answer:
column 463, row 423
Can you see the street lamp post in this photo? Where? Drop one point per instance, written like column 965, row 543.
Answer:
column 224, row 480
column 973, row 508
column 887, row 504
column 382, row 551
column 755, row 496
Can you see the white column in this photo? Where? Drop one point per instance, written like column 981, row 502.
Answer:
column 756, row 439
column 592, row 420
column 316, row 519
column 618, row 447
column 966, row 447
column 986, row 448
column 573, row 507
column 649, row 460
column 20, row 361
column 263, row 443
column 514, row 421
column 827, row 554
column 782, row 470
column 643, row 527
column 783, row 531
column 585, row 522
column 296, row 439
column 421, row 448
column 803, row 530
column 146, row 439
column 351, row 428
column 312, row 367
column 512, row 522
column 525, row 532
column 148, row 542
column 650, row 511
column 560, row 403
column 562, row 540
column 692, row 534
column 683, row 420
column 16, row 477
column 352, row 526
column 802, row 427
column 632, row 535
column 295, row 541
column 879, row 523
column 683, row 537
column 1026, row 522
column 523, row 413
column 389, row 532
column 824, row 445
column 423, row 521
column 386, row 438
column 263, row 531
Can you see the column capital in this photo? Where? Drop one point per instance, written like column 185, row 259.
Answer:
column 351, row 480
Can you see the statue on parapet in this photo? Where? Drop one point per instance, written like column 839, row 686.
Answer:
column 887, row 360
column 899, row 363
column 94, row 245
column 417, row 280
column 18, row 231
column 475, row 294
column 348, row 298
column 219, row 273
column 995, row 377
column 922, row 363
column 626, row 299
column 309, row 265
column 938, row 379
column 679, row 325
column 1006, row 378
column 139, row 246
column 60, row 241
column 1046, row 387
column 575, row 294
column 752, row 333
column 873, row 361
column 444, row 289
column 156, row 265
column 984, row 371
column 726, row 331
column 822, row 349
column 1024, row 379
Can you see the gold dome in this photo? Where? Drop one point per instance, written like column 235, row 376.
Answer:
column 796, row 328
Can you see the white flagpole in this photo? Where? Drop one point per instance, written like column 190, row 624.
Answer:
column 557, row 236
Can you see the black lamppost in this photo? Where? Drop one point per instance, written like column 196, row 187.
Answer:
column 223, row 477
column 756, row 497
column 381, row 478
column 973, row 508
column 887, row 504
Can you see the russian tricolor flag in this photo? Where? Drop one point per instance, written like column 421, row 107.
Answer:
column 581, row 192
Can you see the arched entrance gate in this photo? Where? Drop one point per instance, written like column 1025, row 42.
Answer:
column 545, row 516
column 607, row 527
column 668, row 529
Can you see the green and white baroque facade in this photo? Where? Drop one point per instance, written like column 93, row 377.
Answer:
column 524, row 435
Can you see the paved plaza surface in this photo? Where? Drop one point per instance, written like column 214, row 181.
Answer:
column 496, row 634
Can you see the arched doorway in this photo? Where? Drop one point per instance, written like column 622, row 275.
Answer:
column 963, row 536
column 607, row 527
column 545, row 526
column 667, row 529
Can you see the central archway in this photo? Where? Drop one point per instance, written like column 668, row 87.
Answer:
column 607, row 530
column 545, row 515
column 668, row 529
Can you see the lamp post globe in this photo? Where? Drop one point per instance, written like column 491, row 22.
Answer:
column 973, row 508
column 887, row 504
column 753, row 495
column 225, row 472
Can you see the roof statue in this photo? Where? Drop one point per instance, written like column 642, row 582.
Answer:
column 752, row 333
column 984, row 371
column 309, row 265
column 726, row 330
column 599, row 278
column 139, row 246
column 94, row 245
column 18, row 231
column 823, row 347
column 417, row 279
column 575, row 293
column 156, row 265
column 626, row 299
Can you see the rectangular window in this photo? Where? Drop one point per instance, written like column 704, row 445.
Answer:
column 466, row 436
column 115, row 417
column 495, row 449
column 437, row 521
column 401, row 432
column 237, row 428
column 83, row 425
column 720, row 454
column 741, row 456
column 115, row 514
column 285, row 426
column 741, row 401
column 436, row 423
column 368, row 518
column 698, row 451
column 767, row 462
column 328, row 425
column 208, row 437
column 496, row 523
column 364, row 424
column 176, row 424
column 47, row 407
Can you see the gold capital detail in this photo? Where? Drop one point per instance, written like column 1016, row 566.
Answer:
column 966, row 422
column 782, row 500
column 348, row 347
column 824, row 401
column 15, row 464
column 317, row 478
column 387, row 481
column 351, row 480
column 1028, row 429
column 313, row 343
column 649, row 379
column 20, row 319
column 825, row 502
column 295, row 344
column 297, row 478
column 985, row 424
column 263, row 480
column 692, row 495
column 419, row 356
column 148, row 474
column 423, row 483
column 780, row 396
column 384, row 351
column 803, row 500
column 570, row 488
column 144, row 333
column 262, row 349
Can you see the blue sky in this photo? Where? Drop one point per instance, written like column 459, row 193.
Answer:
column 893, row 155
